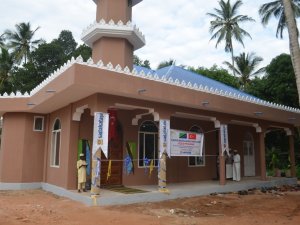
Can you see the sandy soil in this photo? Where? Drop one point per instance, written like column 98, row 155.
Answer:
column 39, row 207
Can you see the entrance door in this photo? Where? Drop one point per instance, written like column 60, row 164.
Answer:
column 115, row 154
column 249, row 157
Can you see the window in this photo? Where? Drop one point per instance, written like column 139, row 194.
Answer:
column 196, row 161
column 148, row 144
column 38, row 124
column 55, row 144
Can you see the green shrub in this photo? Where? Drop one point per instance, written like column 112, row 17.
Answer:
column 298, row 171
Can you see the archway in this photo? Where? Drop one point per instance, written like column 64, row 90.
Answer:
column 249, row 155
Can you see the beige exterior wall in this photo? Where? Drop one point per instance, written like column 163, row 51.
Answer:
column 114, row 50
column 22, row 149
column 65, row 174
column 115, row 10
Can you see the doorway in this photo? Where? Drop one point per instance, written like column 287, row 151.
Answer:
column 249, row 156
column 115, row 154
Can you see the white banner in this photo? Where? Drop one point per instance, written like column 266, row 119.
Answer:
column 164, row 137
column 100, row 136
column 184, row 143
column 224, row 138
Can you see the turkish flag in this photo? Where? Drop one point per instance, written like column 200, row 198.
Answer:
column 192, row 136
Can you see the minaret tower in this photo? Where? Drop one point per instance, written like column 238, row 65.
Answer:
column 112, row 37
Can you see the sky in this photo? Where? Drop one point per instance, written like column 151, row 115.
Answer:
column 174, row 29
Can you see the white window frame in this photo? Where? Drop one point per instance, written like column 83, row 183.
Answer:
column 155, row 144
column 54, row 134
column 203, row 152
column 34, row 121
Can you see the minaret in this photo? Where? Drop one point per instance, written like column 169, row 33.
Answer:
column 112, row 37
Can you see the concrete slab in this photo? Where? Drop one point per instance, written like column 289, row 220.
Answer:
column 180, row 190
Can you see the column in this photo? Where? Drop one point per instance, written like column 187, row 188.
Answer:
column 162, row 173
column 262, row 154
column 222, row 174
column 164, row 149
column 292, row 155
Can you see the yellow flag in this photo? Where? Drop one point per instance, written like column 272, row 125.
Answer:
column 151, row 167
column 109, row 169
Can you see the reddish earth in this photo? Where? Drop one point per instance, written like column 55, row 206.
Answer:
column 40, row 207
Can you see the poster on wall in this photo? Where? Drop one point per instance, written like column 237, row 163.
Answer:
column 100, row 136
column 184, row 143
column 224, row 138
column 164, row 137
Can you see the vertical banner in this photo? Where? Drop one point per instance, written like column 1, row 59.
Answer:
column 164, row 137
column 100, row 143
column 224, row 138
column 100, row 136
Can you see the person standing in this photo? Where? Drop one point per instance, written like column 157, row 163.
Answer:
column 81, row 168
column 236, row 166
column 229, row 166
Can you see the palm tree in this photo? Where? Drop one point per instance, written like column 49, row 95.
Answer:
column 290, row 11
column 293, row 38
column 2, row 41
column 275, row 8
column 6, row 64
column 246, row 65
column 225, row 25
column 21, row 41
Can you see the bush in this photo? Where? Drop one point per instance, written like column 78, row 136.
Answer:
column 298, row 171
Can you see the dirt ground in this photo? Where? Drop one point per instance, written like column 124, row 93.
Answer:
column 244, row 208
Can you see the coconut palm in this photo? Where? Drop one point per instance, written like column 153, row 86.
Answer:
column 21, row 41
column 276, row 9
column 226, row 25
column 6, row 64
column 2, row 41
column 246, row 67
column 290, row 11
column 293, row 38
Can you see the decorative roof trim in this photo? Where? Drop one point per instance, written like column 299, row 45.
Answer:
column 148, row 76
column 100, row 29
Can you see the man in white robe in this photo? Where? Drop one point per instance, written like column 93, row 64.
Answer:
column 236, row 166
column 81, row 168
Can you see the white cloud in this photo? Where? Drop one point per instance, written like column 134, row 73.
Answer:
column 176, row 29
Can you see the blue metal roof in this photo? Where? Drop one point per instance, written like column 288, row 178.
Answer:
column 176, row 72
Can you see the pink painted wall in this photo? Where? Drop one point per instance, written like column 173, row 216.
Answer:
column 65, row 174
column 22, row 149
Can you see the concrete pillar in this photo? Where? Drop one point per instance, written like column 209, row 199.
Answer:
column 162, row 173
column 292, row 155
column 222, row 169
column 262, row 154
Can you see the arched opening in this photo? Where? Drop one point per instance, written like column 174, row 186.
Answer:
column 249, row 155
column 148, row 143
column 55, row 143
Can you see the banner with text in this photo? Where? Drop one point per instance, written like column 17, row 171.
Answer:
column 224, row 138
column 100, row 136
column 164, row 137
column 184, row 143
